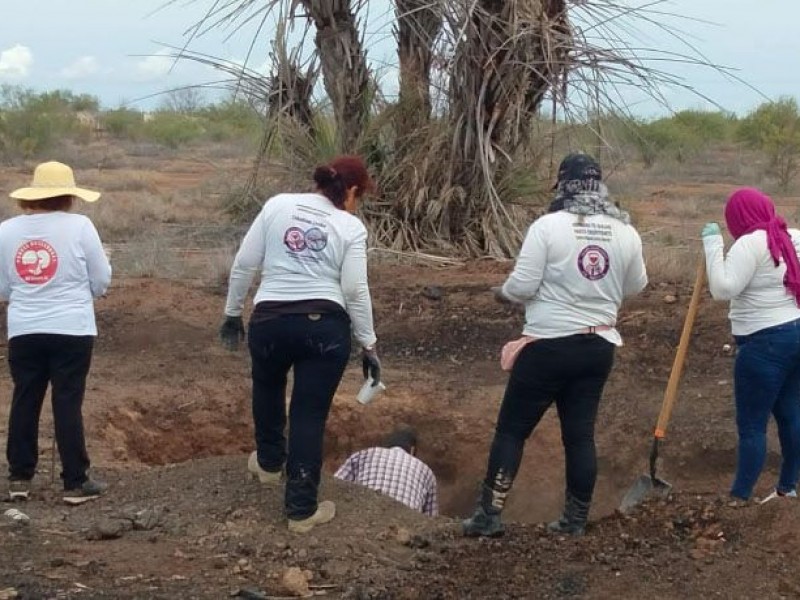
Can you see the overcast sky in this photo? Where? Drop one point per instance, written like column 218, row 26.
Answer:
column 102, row 46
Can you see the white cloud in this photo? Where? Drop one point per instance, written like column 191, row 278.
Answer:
column 15, row 62
column 84, row 67
column 156, row 66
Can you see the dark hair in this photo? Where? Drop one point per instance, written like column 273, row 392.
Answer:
column 51, row 204
column 404, row 436
column 339, row 175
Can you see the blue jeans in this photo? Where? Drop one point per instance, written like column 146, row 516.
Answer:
column 767, row 380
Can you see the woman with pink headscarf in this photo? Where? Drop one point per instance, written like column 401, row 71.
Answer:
column 761, row 277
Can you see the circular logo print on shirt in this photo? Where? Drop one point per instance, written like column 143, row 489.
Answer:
column 295, row 239
column 36, row 262
column 316, row 239
column 593, row 262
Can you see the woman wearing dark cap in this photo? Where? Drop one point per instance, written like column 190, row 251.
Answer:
column 311, row 252
column 760, row 275
column 576, row 265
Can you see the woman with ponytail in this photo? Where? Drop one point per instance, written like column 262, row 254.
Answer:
column 311, row 253
column 761, row 277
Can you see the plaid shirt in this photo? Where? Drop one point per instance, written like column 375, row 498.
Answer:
column 394, row 472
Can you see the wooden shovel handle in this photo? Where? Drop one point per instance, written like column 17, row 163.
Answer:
column 671, row 393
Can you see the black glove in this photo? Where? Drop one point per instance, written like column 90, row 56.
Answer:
column 371, row 365
column 497, row 291
column 232, row 332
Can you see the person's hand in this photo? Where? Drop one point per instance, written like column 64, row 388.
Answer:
column 497, row 291
column 710, row 229
column 371, row 365
column 232, row 332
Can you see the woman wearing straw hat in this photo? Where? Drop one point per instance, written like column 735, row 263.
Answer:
column 52, row 265
column 311, row 252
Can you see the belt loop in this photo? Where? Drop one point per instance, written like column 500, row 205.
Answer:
column 592, row 329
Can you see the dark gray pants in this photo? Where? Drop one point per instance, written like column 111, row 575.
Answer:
column 35, row 361
column 318, row 348
column 571, row 372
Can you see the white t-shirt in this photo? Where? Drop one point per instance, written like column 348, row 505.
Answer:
column 52, row 265
column 573, row 272
column 749, row 278
column 306, row 249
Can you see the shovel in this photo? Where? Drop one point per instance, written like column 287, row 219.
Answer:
column 651, row 485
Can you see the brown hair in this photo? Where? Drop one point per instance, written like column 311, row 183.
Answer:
column 339, row 175
column 53, row 204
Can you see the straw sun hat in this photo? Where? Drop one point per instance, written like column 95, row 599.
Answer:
column 52, row 179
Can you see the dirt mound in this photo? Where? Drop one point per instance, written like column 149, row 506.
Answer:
column 162, row 391
column 202, row 529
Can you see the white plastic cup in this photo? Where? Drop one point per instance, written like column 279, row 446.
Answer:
column 17, row 516
column 369, row 392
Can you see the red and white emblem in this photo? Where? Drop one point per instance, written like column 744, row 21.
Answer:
column 36, row 262
column 593, row 262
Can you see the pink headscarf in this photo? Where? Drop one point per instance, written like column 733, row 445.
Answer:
column 748, row 210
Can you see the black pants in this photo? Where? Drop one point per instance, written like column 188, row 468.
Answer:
column 62, row 361
column 571, row 372
column 318, row 347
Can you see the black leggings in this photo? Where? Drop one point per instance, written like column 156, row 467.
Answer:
column 318, row 347
column 35, row 361
column 571, row 372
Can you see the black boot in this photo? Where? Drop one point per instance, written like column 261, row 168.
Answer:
column 485, row 521
column 573, row 521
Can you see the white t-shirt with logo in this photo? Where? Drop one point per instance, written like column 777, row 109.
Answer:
column 748, row 277
column 52, row 265
column 573, row 272
column 305, row 248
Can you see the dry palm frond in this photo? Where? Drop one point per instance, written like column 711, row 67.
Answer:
column 456, row 170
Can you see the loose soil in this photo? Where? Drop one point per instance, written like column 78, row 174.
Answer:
column 168, row 424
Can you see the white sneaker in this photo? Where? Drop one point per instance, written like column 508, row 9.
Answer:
column 326, row 511
column 777, row 494
column 258, row 473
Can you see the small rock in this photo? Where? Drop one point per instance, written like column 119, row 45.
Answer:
column 295, row 583
column 417, row 541
column 147, row 519
column 106, row 529
column 302, row 553
column 403, row 536
column 433, row 292
column 670, row 299
column 9, row 594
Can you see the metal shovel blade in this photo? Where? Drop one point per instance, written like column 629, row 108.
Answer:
column 644, row 487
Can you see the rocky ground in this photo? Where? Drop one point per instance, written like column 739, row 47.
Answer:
column 168, row 425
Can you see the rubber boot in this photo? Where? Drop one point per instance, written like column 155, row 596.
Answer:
column 485, row 521
column 573, row 521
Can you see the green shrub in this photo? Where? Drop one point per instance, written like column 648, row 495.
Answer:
column 681, row 136
column 123, row 123
column 774, row 128
column 173, row 130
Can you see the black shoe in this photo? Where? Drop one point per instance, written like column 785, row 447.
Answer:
column 573, row 521
column 483, row 524
column 19, row 490
column 89, row 490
